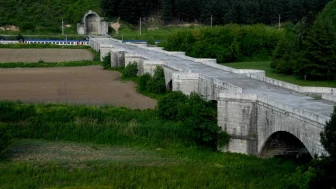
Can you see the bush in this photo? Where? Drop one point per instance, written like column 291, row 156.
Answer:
column 143, row 80
column 131, row 70
column 107, row 61
column 172, row 106
column 5, row 137
column 198, row 117
column 157, row 83
column 325, row 174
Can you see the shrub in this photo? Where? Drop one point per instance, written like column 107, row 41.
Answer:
column 157, row 83
column 107, row 61
column 172, row 106
column 325, row 166
column 143, row 80
column 198, row 117
column 131, row 70
column 5, row 137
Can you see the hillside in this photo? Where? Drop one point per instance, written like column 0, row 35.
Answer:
column 44, row 15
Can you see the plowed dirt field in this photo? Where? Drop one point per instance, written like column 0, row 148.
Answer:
column 82, row 85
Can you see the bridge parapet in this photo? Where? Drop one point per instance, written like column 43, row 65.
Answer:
column 205, row 86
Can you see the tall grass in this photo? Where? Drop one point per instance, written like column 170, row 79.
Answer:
column 181, row 175
column 101, row 125
column 49, row 64
column 187, row 166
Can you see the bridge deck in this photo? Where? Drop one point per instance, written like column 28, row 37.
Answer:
column 249, row 86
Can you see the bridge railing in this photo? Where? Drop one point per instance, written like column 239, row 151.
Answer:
column 287, row 108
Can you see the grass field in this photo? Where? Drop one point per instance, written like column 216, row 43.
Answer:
column 265, row 65
column 59, row 164
column 158, row 34
column 71, row 146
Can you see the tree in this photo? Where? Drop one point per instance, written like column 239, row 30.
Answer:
column 325, row 177
column 130, row 11
column 167, row 12
column 318, row 56
column 5, row 137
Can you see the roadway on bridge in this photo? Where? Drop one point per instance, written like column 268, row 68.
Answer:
column 249, row 86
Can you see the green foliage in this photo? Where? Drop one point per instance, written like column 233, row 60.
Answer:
column 227, row 43
column 103, row 125
column 107, row 61
column 45, row 16
column 173, row 106
column 176, row 161
column 325, row 174
column 131, row 70
column 42, row 64
column 143, row 80
column 308, row 49
column 198, row 117
column 265, row 65
column 328, row 136
column 216, row 12
column 5, row 137
column 317, row 60
column 156, row 84
column 285, row 54
column 131, row 167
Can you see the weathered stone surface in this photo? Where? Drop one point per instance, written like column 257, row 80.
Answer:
column 117, row 58
column 92, row 24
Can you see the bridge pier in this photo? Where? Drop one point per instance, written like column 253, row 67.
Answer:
column 117, row 58
column 237, row 115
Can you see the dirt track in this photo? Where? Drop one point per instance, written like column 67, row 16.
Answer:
column 46, row 55
column 89, row 85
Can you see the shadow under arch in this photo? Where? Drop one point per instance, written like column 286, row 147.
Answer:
column 169, row 86
column 284, row 144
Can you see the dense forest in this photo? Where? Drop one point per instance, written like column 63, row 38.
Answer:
column 47, row 15
column 308, row 49
column 44, row 15
column 221, row 11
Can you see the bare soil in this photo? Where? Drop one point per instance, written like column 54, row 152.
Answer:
column 81, row 85
column 45, row 55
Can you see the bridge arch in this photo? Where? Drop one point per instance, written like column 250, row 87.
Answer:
column 283, row 143
column 169, row 86
column 91, row 22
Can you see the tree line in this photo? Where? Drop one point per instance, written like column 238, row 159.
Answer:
column 44, row 15
column 308, row 49
column 229, row 43
column 218, row 11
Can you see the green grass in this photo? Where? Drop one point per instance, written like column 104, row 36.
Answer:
column 79, row 146
column 49, row 64
column 55, row 164
column 128, row 34
column 265, row 65
column 70, row 35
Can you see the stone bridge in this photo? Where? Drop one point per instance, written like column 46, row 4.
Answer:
column 264, row 116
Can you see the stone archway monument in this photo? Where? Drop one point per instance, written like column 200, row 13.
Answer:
column 92, row 24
